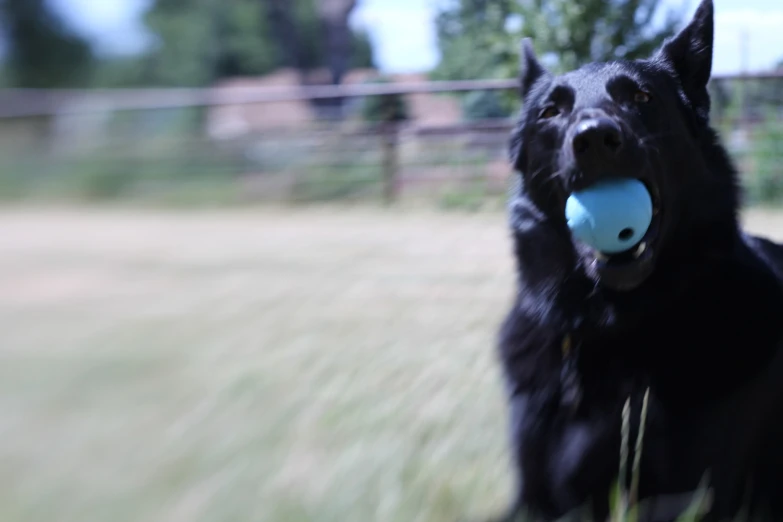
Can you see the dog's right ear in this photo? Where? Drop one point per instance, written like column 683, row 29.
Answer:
column 530, row 67
column 689, row 54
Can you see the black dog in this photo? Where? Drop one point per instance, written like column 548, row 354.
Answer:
column 694, row 313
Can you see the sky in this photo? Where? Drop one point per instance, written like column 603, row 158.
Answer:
column 403, row 31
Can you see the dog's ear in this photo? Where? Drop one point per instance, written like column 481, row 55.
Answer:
column 531, row 69
column 689, row 54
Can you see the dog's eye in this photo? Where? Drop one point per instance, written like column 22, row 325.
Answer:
column 641, row 97
column 549, row 112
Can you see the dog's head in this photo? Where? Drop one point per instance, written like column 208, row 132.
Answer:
column 644, row 119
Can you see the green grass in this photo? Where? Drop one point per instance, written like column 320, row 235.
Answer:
column 253, row 365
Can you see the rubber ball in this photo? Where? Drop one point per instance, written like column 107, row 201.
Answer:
column 611, row 216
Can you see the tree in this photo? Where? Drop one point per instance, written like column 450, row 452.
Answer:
column 200, row 41
column 316, row 33
column 42, row 52
column 471, row 39
column 295, row 24
column 334, row 15
column 480, row 38
column 361, row 53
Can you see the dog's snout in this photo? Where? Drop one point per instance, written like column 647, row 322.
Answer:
column 597, row 136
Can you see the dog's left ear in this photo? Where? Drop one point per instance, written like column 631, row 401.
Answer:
column 531, row 68
column 689, row 54
column 531, row 72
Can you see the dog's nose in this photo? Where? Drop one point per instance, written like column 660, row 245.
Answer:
column 597, row 136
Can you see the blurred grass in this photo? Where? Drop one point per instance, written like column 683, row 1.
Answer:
column 266, row 365
column 238, row 366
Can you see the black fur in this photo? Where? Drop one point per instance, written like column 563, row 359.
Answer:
column 699, row 321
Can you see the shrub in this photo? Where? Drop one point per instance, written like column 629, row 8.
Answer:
column 765, row 183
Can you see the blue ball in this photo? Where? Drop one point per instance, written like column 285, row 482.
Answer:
column 611, row 216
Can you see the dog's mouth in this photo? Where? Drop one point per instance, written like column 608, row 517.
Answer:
column 627, row 270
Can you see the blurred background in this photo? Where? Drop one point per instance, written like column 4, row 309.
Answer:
column 301, row 101
column 253, row 253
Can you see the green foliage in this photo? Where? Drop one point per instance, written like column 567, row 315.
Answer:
column 340, row 180
column 471, row 40
column 765, row 184
column 115, row 72
column 478, row 105
column 155, row 158
column 143, row 157
column 198, row 42
column 362, row 55
column 385, row 108
column 471, row 198
column 480, row 38
column 599, row 30
column 42, row 51
column 194, row 43
column 307, row 31
column 744, row 99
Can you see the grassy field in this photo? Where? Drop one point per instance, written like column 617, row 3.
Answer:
column 249, row 366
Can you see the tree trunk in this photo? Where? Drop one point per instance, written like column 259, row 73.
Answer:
column 280, row 14
column 334, row 18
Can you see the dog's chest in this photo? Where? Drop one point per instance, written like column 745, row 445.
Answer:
column 576, row 451
column 597, row 411
column 579, row 430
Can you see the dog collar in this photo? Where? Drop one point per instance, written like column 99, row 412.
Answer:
column 570, row 383
column 565, row 346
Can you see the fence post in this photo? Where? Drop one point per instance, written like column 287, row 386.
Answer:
column 390, row 161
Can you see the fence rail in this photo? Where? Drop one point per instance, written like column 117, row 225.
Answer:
column 16, row 103
column 281, row 144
